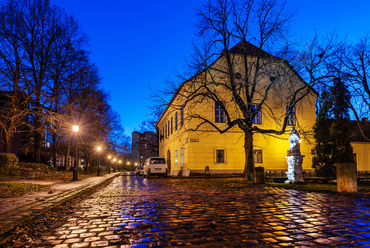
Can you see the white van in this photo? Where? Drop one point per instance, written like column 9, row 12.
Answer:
column 155, row 167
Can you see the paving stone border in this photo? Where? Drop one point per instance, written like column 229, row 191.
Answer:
column 25, row 212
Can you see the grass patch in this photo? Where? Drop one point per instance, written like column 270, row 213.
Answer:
column 62, row 176
column 11, row 189
column 51, row 176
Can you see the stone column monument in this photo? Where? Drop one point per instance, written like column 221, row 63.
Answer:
column 294, row 159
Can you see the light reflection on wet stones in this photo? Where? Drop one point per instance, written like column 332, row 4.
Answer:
column 221, row 212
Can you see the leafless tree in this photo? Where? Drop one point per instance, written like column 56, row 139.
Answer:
column 46, row 73
column 243, row 75
column 353, row 66
column 14, row 107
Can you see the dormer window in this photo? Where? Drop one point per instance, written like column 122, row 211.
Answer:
column 238, row 75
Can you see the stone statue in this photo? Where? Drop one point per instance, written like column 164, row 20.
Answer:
column 295, row 148
column 294, row 159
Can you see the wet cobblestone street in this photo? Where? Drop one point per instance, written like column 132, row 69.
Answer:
column 212, row 212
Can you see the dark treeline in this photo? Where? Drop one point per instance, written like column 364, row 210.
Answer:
column 48, row 84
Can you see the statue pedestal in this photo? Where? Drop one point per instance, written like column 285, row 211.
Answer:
column 295, row 170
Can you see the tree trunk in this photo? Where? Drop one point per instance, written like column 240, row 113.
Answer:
column 7, row 142
column 55, row 149
column 249, row 159
column 67, row 155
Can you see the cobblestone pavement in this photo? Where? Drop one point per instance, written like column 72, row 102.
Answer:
column 212, row 212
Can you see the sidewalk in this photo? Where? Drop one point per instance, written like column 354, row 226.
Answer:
column 16, row 209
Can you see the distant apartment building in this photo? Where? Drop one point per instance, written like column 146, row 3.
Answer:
column 144, row 145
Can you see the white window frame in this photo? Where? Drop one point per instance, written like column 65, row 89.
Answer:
column 216, row 154
column 256, row 156
column 258, row 117
column 176, row 164
column 219, row 113
column 182, row 156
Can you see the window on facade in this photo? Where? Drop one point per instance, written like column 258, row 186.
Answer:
column 165, row 132
column 176, row 158
column 168, row 129
column 182, row 116
column 182, row 156
column 171, row 124
column 176, row 121
column 355, row 157
column 257, row 156
column 219, row 113
column 258, row 118
column 291, row 116
column 220, row 156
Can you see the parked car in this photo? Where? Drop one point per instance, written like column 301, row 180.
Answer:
column 139, row 170
column 155, row 166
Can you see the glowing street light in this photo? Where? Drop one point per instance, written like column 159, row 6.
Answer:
column 75, row 175
column 109, row 157
column 114, row 164
column 99, row 149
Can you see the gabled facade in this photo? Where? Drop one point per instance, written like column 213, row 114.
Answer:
column 187, row 145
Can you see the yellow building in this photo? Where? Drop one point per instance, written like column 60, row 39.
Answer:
column 361, row 146
column 191, row 144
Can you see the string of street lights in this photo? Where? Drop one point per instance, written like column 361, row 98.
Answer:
column 75, row 129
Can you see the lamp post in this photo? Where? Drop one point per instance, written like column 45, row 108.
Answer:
column 109, row 157
column 98, row 148
column 75, row 175
column 114, row 164
column 119, row 165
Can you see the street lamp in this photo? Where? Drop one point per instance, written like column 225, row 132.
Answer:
column 119, row 165
column 99, row 149
column 75, row 175
column 109, row 157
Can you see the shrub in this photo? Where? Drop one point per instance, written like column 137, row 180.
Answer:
column 37, row 167
column 8, row 162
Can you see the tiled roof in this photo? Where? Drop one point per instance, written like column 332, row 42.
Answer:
column 246, row 48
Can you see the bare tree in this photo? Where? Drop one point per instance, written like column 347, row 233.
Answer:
column 353, row 67
column 244, row 75
column 14, row 107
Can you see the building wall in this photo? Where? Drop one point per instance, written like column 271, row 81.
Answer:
column 200, row 146
column 135, row 146
column 362, row 151
column 143, row 146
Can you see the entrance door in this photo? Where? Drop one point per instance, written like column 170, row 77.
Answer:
column 169, row 161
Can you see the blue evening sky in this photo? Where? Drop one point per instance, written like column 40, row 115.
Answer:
column 137, row 43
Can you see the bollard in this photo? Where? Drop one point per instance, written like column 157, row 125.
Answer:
column 346, row 178
column 206, row 171
column 259, row 175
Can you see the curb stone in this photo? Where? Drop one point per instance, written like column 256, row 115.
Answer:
column 15, row 217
